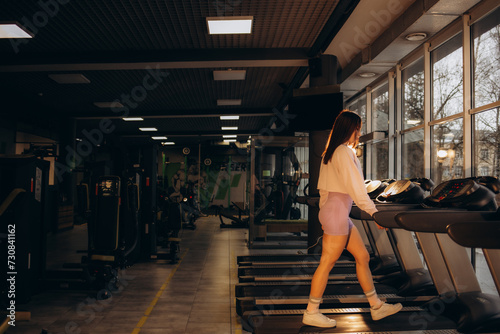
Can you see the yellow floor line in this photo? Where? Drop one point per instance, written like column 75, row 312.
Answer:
column 152, row 305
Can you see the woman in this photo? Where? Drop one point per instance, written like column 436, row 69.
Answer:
column 340, row 182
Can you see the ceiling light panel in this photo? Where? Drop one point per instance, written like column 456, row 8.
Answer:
column 229, row 128
column 13, row 30
column 133, row 119
column 229, row 117
column 148, row 129
column 229, row 25
column 229, row 102
column 230, row 75
column 70, row 78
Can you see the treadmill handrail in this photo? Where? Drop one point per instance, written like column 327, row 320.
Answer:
column 436, row 221
column 476, row 234
column 357, row 213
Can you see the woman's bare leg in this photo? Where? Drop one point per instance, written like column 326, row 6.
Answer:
column 357, row 248
column 333, row 246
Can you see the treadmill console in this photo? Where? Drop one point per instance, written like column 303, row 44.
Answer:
column 462, row 193
column 490, row 182
column 424, row 183
column 401, row 191
column 376, row 187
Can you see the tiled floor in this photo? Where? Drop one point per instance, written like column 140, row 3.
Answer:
column 194, row 296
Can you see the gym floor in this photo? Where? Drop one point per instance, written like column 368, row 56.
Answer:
column 194, row 296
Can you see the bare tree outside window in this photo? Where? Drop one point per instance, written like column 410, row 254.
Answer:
column 486, row 69
column 413, row 115
column 447, row 100
column 413, row 94
column 380, row 122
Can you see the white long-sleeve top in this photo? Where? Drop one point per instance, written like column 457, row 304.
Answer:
column 343, row 174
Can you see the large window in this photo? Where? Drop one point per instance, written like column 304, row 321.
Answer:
column 380, row 108
column 413, row 94
column 412, row 163
column 487, row 142
column 486, row 82
column 447, row 79
column 486, row 59
column 380, row 122
column 413, row 154
column 447, row 151
column 380, row 160
column 359, row 107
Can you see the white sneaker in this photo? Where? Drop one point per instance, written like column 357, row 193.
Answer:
column 318, row 320
column 385, row 310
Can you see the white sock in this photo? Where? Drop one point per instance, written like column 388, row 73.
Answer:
column 313, row 304
column 373, row 299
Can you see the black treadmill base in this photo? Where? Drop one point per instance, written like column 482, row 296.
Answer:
column 407, row 322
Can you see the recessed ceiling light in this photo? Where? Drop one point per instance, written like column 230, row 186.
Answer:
column 230, row 75
column 229, row 25
column 69, row 78
column 229, row 117
column 367, row 74
column 229, row 140
column 229, row 128
column 416, row 36
column 159, row 138
column 133, row 119
column 229, row 102
column 13, row 30
column 108, row 104
column 167, row 143
column 229, row 136
column 148, row 129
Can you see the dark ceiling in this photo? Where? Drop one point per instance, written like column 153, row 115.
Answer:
column 157, row 59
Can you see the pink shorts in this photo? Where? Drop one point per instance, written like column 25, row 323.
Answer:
column 334, row 214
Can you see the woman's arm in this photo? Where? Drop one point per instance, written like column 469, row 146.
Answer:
column 352, row 179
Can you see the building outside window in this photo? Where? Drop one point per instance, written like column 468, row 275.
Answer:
column 484, row 154
column 484, row 171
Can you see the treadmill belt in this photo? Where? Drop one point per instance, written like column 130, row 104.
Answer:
column 294, row 270
column 247, row 259
column 402, row 322
column 256, row 290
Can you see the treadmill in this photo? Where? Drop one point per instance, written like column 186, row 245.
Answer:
column 413, row 319
column 384, row 261
column 412, row 286
column 479, row 232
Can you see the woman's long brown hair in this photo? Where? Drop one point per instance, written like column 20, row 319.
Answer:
column 345, row 124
